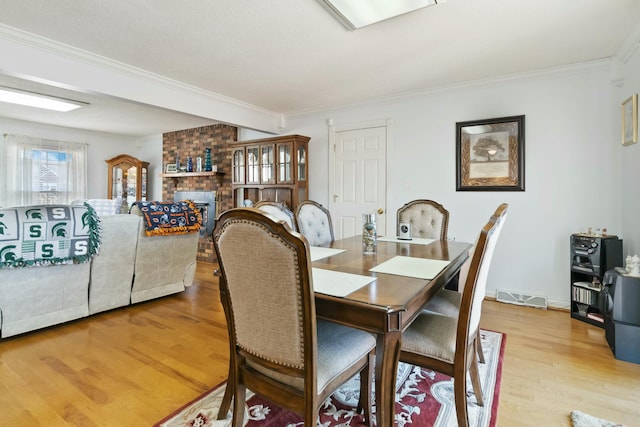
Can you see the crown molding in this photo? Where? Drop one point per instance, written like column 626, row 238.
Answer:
column 75, row 54
column 577, row 68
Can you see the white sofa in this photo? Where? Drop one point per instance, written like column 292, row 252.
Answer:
column 129, row 268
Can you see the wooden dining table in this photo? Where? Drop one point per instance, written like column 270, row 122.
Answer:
column 387, row 305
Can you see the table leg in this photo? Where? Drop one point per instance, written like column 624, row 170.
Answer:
column 387, row 356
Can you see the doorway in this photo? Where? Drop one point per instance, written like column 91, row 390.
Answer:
column 358, row 176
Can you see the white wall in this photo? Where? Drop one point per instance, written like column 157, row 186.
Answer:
column 629, row 155
column 571, row 166
column 102, row 146
column 150, row 150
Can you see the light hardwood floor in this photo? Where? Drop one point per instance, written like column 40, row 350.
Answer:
column 133, row 366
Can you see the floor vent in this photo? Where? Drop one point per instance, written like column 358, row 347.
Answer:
column 521, row 299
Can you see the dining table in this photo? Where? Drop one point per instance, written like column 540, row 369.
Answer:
column 380, row 292
column 402, row 276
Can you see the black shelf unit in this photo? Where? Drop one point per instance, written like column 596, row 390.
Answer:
column 591, row 257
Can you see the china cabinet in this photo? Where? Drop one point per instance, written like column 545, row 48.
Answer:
column 127, row 178
column 271, row 169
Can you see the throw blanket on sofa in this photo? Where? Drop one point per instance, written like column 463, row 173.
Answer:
column 165, row 218
column 48, row 234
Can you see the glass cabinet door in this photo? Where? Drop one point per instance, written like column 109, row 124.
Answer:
column 253, row 165
column 302, row 163
column 237, row 166
column 131, row 179
column 268, row 163
column 284, row 163
column 127, row 179
column 143, row 194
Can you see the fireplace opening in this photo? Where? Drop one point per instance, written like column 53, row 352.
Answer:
column 206, row 202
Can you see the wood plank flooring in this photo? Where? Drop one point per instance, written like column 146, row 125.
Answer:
column 133, row 366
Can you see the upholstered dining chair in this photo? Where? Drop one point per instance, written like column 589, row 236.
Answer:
column 279, row 349
column 447, row 301
column 428, row 219
column 447, row 344
column 314, row 222
column 278, row 211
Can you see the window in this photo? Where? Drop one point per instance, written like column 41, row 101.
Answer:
column 36, row 171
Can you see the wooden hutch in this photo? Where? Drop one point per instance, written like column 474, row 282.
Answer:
column 127, row 178
column 271, row 169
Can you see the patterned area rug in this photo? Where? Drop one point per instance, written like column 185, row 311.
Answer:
column 580, row 419
column 423, row 398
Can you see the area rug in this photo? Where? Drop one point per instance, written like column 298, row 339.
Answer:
column 580, row 419
column 423, row 398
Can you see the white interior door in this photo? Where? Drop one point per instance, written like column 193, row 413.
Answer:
column 359, row 184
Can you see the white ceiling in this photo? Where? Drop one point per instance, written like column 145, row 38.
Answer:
column 292, row 56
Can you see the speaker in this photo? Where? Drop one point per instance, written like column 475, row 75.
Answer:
column 404, row 231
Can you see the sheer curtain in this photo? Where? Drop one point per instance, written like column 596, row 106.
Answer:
column 27, row 179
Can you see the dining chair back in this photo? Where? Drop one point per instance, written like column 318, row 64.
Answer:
column 279, row 349
column 314, row 222
column 428, row 219
column 447, row 344
column 279, row 211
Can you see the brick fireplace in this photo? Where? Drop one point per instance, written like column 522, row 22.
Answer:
column 192, row 142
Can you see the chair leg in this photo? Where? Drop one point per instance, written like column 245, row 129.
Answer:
column 460, row 398
column 364, row 400
column 479, row 349
column 228, row 394
column 238, row 405
column 475, row 381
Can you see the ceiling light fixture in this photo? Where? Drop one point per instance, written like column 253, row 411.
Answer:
column 32, row 99
column 355, row 14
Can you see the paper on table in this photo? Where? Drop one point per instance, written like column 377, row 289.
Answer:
column 421, row 268
column 318, row 252
column 413, row 241
column 337, row 283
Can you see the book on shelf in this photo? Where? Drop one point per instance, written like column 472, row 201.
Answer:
column 589, row 285
column 595, row 316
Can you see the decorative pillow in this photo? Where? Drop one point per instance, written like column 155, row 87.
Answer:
column 105, row 206
column 102, row 206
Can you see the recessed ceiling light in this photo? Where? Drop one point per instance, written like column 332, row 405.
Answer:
column 355, row 14
column 37, row 100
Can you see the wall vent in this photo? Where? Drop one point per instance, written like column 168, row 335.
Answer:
column 518, row 298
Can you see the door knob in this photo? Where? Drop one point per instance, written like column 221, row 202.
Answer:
column 380, row 211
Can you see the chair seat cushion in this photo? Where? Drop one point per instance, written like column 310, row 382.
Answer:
column 445, row 302
column 432, row 335
column 339, row 347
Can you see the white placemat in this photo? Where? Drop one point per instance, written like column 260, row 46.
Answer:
column 337, row 283
column 318, row 252
column 413, row 241
column 420, row 268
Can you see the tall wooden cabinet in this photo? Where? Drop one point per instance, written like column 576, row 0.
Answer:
column 127, row 178
column 271, row 169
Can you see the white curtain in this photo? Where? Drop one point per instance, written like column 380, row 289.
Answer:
column 19, row 182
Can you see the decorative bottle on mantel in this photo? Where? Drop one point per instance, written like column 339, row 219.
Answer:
column 189, row 164
column 207, row 160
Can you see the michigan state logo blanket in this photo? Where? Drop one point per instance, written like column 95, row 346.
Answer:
column 48, row 234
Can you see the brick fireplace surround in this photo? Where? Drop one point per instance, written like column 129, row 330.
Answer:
column 192, row 142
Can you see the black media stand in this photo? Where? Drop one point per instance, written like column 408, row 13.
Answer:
column 591, row 257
